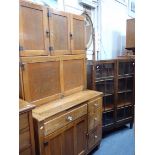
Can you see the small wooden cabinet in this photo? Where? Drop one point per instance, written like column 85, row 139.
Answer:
column 26, row 133
column 62, row 126
column 45, row 31
column 130, row 34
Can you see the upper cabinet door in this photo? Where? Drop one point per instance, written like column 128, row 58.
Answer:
column 59, row 24
column 77, row 34
column 33, row 30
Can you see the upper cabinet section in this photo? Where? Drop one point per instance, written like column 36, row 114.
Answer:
column 33, row 27
column 45, row 31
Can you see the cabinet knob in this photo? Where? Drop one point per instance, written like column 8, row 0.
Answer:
column 96, row 105
column 69, row 118
column 95, row 119
column 96, row 137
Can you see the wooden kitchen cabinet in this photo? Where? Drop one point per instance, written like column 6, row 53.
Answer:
column 26, row 133
column 47, row 78
column 33, row 28
column 61, row 126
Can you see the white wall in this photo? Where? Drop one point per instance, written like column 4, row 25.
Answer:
column 109, row 20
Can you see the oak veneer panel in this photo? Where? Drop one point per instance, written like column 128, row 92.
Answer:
column 73, row 74
column 33, row 27
column 59, row 24
column 41, row 79
column 78, row 34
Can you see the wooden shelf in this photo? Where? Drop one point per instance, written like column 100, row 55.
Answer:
column 104, row 79
column 105, row 95
column 125, row 76
column 124, row 91
column 108, row 108
column 124, row 104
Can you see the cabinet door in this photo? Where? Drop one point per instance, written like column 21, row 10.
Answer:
column 69, row 140
column 59, row 25
column 33, row 27
column 41, row 79
column 77, row 34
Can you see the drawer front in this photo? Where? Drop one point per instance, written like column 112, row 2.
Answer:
column 93, row 106
column 62, row 120
column 24, row 140
column 23, row 121
column 94, row 119
column 26, row 152
column 94, row 137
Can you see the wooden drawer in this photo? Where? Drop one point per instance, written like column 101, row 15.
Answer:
column 62, row 120
column 23, row 121
column 93, row 106
column 94, row 119
column 24, row 139
column 94, row 137
column 26, row 152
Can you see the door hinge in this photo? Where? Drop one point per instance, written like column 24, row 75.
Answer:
column 21, row 48
column 49, row 14
column 22, row 65
column 50, row 48
column 45, row 143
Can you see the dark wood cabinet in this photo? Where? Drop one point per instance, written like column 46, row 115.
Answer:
column 26, row 133
column 115, row 78
column 32, row 29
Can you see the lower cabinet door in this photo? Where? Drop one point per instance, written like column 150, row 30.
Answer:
column 69, row 140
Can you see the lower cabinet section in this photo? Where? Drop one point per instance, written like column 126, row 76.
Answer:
column 69, row 140
column 94, row 137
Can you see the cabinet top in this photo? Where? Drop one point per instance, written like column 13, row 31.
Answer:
column 55, row 107
column 25, row 106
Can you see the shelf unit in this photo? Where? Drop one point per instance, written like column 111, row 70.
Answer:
column 115, row 78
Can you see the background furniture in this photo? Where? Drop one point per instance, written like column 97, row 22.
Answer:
column 130, row 34
column 26, row 131
column 115, row 78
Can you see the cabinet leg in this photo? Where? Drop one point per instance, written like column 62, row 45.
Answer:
column 131, row 125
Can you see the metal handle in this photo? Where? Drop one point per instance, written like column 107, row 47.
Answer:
column 69, row 118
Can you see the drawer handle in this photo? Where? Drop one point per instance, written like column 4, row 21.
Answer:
column 69, row 118
column 95, row 119
column 96, row 137
column 96, row 105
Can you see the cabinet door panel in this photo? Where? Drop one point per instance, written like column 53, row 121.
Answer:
column 59, row 24
column 33, row 27
column 41, row 80
column 81, row 129
column 74, row 75
column 78, row 34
